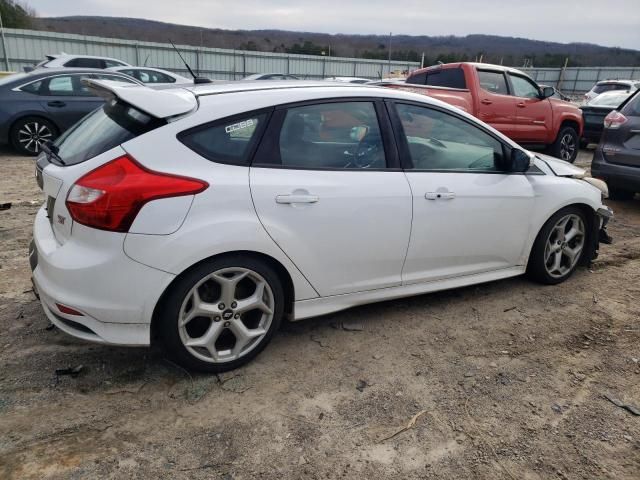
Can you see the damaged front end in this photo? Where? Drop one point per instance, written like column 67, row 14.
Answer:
column 598, row 234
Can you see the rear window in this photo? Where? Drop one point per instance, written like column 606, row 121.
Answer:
column 107, row 127
column 446, row 77
column 607, row 87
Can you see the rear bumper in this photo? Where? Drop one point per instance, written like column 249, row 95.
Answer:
column 114, row 295
column 621, row 176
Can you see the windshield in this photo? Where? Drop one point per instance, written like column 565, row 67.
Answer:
column 107, row 127
column 609, row 100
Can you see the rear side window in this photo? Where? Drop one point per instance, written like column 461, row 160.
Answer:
column 113, row 63
column 107, row 127
column 493, row 82
column 632, row 108
column 418, row 78
column 33, row 87
column 228, row 141
column 447, row 77
column 85, row 63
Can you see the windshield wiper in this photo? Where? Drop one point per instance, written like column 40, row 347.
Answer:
column 52, row 151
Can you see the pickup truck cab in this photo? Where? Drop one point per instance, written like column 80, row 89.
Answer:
column 508, row 100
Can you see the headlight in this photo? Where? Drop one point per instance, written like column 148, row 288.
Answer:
column 599, row 184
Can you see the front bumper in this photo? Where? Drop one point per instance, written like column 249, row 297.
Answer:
column 114, row 295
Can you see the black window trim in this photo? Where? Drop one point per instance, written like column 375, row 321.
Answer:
column 506, row 81
column 403, row 146
column 270, row 141
column 255, row 141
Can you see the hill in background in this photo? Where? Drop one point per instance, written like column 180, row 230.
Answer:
column 493, row 49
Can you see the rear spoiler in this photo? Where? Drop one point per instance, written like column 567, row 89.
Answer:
column 157, row 103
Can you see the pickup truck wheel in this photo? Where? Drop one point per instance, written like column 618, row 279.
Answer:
column 566, row 145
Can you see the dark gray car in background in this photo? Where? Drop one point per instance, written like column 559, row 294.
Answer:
column 37, row 107
column 617, row 158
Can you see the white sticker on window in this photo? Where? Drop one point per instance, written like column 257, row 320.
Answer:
column 239, row 126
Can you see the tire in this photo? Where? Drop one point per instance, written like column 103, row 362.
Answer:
column 29, row 133
column 616, row 193
column 236, row 333
column 566, row 145
column 549, row 243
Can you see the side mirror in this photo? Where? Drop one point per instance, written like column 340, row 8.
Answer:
column 546, row 92
column 28, row 69
column 519, row 161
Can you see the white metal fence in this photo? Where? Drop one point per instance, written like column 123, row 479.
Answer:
column 26, row 47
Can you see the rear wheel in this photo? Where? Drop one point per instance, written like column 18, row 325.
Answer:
column 566, row 145
column 30, row 133
column 616, row 193
column 221, row 314
column 559, row 246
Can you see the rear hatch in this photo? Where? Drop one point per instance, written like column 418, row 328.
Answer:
column 622, row 145
column 130, row 111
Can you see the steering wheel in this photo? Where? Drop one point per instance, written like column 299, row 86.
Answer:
column 364, row 154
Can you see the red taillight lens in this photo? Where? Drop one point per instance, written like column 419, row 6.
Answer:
column 614, row 120
column 110, row 197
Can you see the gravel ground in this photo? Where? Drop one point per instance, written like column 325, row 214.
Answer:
column 503, row 380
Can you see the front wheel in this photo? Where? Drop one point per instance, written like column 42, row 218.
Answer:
column 566, row 145
column 221, row 314
column 559, row 247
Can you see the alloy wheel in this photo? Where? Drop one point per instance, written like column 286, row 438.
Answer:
column 564, row 245
column 567, row 147
column 226, row 314
column 32, row 135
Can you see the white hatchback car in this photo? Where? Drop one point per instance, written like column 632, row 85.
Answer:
column 203, row 216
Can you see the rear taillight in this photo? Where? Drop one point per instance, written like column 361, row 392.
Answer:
column 110, row 197
column 614, row 120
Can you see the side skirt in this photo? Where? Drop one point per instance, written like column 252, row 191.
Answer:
column 324, row 305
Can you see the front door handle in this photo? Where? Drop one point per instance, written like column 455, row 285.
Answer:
column 57, row 104
column 297, row 198
column 521, row 105
column 486, row 101
column 440, row 195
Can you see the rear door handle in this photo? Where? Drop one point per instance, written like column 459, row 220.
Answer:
column 520, row 105
column 440, row 195
column 297, row 198
column 57, row 104
column 486, row 102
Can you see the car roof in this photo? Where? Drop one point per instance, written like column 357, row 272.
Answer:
column 487, row 66
column 24, row 78
column 73, row 55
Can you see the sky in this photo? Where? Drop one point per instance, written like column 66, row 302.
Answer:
column 613, row 23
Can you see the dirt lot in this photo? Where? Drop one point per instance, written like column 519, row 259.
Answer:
column 503, row 380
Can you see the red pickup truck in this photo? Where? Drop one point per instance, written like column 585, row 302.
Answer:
column 507, row 99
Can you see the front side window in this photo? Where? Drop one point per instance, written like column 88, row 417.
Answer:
column 493, row 82
column 228, row 141
column 62, row 85
column 151, row 76
column 33, row 87
column 443, row 142
column 523, row 87
column 340, row 135
column 113, row 63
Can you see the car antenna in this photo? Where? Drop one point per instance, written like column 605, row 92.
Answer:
column 196, row 79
